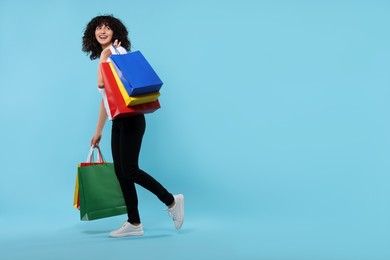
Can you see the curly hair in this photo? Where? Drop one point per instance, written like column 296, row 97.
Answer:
column 91, row 45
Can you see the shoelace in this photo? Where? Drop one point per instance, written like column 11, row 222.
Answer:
column 122, row 227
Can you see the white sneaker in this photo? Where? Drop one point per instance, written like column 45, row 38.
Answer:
column 177, row 211
column 127, row 229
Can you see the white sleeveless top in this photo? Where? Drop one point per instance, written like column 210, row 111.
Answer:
column 102, row 90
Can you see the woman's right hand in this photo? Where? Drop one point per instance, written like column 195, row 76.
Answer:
column 96, row 139
column 105, row 54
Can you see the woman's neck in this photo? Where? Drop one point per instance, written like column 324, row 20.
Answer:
column 105, row 45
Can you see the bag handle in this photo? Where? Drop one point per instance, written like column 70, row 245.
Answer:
column 91, row 156
column 115, row 49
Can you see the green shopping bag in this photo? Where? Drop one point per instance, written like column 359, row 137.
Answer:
column 99, row 191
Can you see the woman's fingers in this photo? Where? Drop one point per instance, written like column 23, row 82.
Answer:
column 117, row 43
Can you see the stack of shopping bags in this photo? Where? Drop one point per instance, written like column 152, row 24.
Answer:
column 132, row 86
column 97, row 191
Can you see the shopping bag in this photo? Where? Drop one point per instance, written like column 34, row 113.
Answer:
column 115, row 100
column 100, row 192
column 76, row 197
column 132, row 100
column 135, row 72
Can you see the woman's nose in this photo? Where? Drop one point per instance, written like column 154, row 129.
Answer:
column 102, row 30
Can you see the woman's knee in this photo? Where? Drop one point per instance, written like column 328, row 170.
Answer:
column 132, row 172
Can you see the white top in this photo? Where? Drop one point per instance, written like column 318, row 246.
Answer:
column 102, row 91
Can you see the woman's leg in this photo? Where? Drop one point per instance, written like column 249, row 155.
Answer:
column 127, row 187
column 126, row 149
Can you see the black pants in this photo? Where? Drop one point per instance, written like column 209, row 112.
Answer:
column 126, row 139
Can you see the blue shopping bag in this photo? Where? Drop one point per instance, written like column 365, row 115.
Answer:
column 136, row 74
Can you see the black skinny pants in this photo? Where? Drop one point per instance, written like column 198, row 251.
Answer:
column 126, row 140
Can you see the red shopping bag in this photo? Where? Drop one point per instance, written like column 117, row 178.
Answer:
column 115, row 99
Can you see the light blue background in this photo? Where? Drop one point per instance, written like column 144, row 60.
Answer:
column 274, row 124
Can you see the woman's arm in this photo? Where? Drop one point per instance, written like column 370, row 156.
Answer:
column 97, row 136
column 106, row 52
column 100, row 125
column 102, row 118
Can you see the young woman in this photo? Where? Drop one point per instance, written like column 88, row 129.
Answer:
column 100, row 34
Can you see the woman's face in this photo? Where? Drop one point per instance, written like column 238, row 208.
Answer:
column 103, row 34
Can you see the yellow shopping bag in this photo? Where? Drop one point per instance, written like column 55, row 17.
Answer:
column 135, row 100
column 76, row 198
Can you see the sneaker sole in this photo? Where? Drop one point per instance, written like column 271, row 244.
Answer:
column 140, row 233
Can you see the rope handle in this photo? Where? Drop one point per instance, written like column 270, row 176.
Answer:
column 116, row 50
column 91, row 155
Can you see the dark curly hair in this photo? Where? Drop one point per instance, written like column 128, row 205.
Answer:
column 91, row 45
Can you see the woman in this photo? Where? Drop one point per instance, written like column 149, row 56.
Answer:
column 100, row 35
